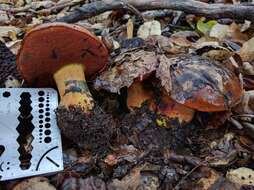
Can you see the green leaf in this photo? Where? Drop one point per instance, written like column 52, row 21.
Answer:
column 205, row 27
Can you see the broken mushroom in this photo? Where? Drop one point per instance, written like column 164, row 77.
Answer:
column 65, row 54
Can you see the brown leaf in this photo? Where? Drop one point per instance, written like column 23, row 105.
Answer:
column 136, row 180
column 247, row 104
column 90, row 183
column 247, row 51
column 130, row 65
column 149, row 28
column 241, row 176
column 123, row 153
column 36, row 183
column 163, row 73
column 223, row 152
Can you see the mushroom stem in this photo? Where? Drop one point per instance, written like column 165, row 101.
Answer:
column 72, row 87
column 137, row 95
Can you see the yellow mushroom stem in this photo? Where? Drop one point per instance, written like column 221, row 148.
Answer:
column 72, row 87
column 137, row 95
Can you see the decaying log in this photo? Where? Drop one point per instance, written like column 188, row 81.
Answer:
column 237, row 11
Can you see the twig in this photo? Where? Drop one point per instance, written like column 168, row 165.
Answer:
column 157, row 14
column 185, row 177
column 185, row 159
column 239, row 11
column 134, row 11
column 32, row 6
column 59, row 7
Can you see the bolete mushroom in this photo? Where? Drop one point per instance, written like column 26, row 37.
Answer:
column 65, row 55
column 134, row 69
column 201, row 84
column 166, row 106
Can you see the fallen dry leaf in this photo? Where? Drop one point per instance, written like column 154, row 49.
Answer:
column 130, row 28
column 248, row 68
column 241, row 176
column 124, row 153
column 207, row 182
column 219, row 31
column 163, row 72
column 3, row 17
column 9, row 31
column 130, row 65
column 36, row 183
column 12, row 82
column 136, row 180
column 247, row 104
column 90, row 183
column 149, row 28
column 247, row 51
column 223, row 152
column 183, row 38
column 14, row 46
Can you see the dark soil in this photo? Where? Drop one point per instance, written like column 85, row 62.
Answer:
column 7, row 64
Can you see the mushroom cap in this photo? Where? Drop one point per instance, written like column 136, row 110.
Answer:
column 48, row 47
column 203, row 84
column 172, row 109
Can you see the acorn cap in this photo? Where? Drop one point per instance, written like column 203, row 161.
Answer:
column 48, row 47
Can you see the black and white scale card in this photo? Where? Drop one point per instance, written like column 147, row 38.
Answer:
column 30, row 141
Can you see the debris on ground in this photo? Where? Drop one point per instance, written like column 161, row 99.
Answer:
column 153, row 95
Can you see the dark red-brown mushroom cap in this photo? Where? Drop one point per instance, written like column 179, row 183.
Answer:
column 204, row 84
column 48, row 47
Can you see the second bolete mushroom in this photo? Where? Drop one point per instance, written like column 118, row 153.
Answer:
column 63, row 54
column 166, row 106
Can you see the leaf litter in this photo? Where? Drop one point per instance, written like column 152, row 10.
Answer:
column 179, row 54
